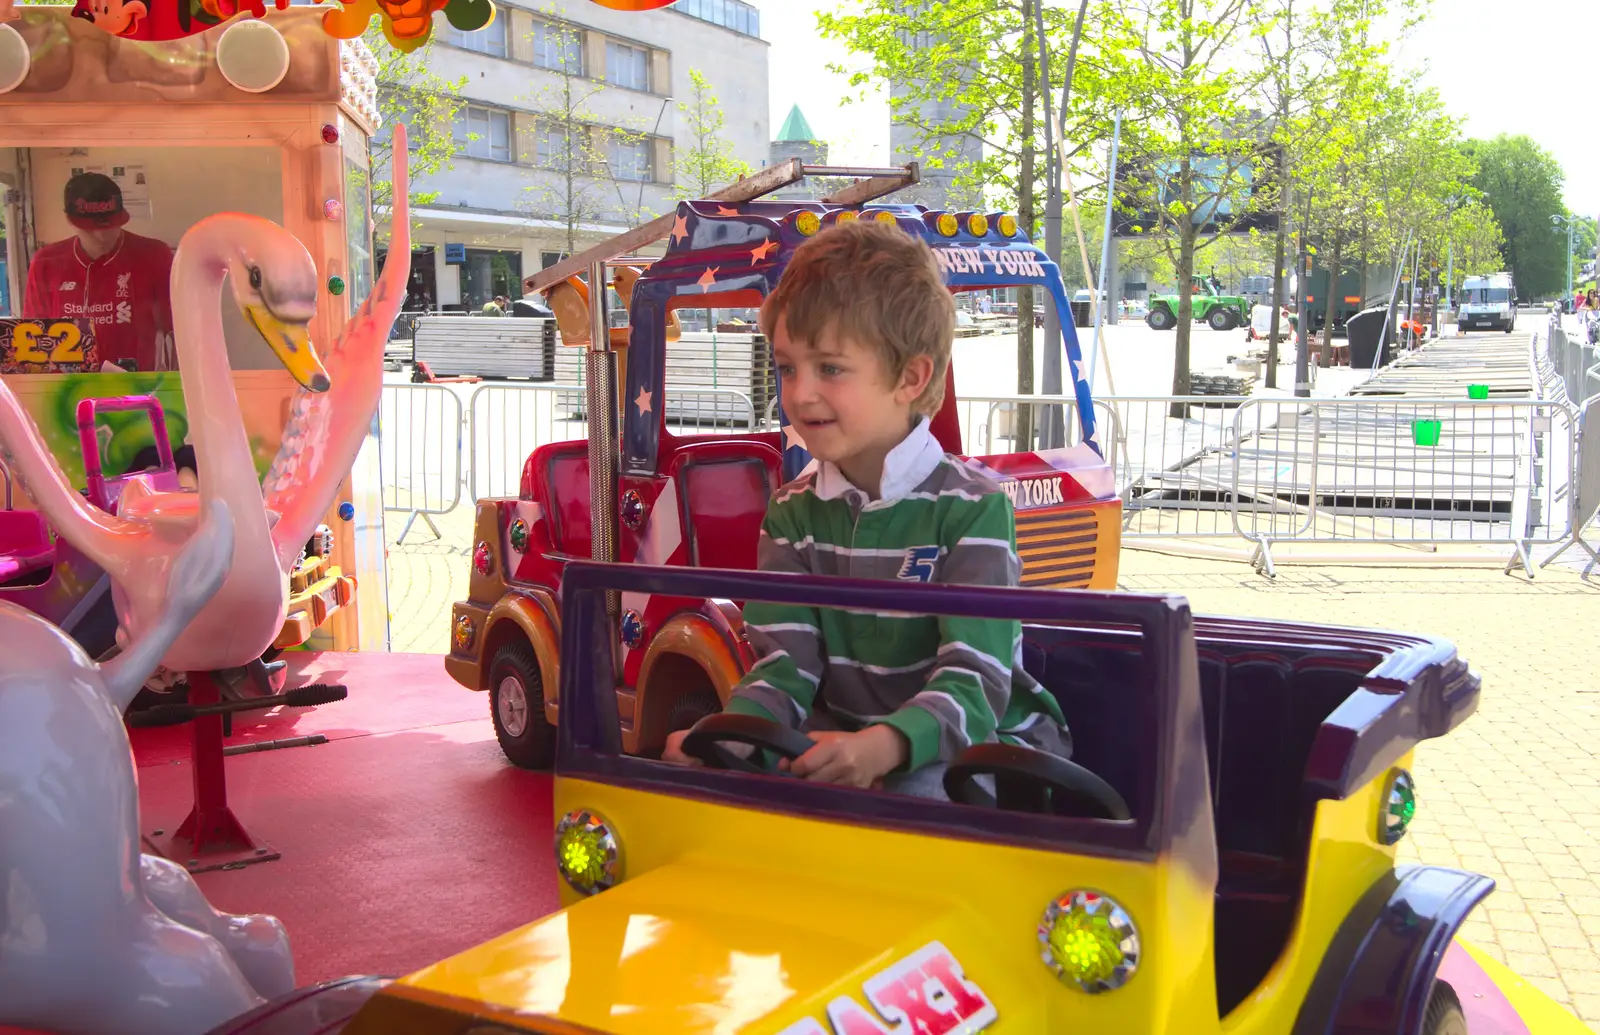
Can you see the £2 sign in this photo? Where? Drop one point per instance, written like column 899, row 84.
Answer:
column 923, row 994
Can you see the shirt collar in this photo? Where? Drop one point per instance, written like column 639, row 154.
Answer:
column 907, row 466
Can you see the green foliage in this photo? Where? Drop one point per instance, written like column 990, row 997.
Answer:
column 572, row 148
column 1521, row 182
column 428, row 104
column 707, row 162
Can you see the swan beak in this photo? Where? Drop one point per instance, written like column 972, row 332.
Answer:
column 291, row 343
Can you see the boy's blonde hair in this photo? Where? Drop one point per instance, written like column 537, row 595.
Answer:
column 877, row 285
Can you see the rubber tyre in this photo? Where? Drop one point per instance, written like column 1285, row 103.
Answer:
column 516, row 704
column 691, row 708
column 1161, row 320
column 1444, row 1015
column 1217, row 319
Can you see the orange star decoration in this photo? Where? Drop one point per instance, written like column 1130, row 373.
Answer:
column 643, row 401
column 723, row 210
column 680, row 227
column 762, row 250
column 708, row 279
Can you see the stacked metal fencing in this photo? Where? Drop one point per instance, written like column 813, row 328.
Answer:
column 1359, row 469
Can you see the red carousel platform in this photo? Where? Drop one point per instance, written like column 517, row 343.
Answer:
column 405, row 838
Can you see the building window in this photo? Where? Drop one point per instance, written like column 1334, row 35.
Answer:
column 628, row 66
column 558, row 47
column 489, row 273
column 548, row 259
column 630, row 159
column 730, row 14
column 553, row 150
column 491, row 39
column 483, row 133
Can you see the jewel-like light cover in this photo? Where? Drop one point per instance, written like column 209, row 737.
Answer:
column 464, row 633
column 1089, row 941
column 1008, row 225
column 1398, row 808
column 978, row 224
column 807, row 223
column 481, row 558
column 587, row 853
column 519, row 535
column 949, row 225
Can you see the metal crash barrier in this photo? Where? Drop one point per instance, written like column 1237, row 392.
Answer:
column 419, row 439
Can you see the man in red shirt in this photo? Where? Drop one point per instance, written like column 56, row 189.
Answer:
column 118, row 281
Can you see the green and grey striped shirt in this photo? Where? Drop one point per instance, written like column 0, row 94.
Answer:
column 943, row 682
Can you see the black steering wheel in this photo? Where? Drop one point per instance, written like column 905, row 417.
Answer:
column 1026, row 780
column 708, row 739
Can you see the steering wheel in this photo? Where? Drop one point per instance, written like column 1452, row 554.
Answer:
column 1026, row 780
column 708, row 738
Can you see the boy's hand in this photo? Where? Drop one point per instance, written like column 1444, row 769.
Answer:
column 673, row 752
column 857, row 759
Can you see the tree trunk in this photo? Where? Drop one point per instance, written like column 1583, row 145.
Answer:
column 1277, row 286
column 1025, row 215
column 1334, row 298
column 1187, row 232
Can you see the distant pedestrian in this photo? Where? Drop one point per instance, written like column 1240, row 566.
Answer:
column 496, row 307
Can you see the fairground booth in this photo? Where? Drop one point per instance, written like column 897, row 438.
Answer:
column 122, row 128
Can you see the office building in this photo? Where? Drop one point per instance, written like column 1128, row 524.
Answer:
column 570, row 86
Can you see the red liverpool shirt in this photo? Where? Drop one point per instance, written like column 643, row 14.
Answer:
column 125, row 294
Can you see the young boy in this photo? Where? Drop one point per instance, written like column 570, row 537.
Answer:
column 861, row 325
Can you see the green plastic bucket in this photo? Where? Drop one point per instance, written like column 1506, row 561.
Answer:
column 1477, row 391
column 1425, row 432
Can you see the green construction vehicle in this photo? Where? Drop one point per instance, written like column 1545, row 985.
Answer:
column 1220, row 312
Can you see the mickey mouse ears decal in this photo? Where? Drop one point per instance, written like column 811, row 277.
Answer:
column 407, row 24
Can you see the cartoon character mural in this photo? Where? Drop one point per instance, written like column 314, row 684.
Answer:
column 407, row 24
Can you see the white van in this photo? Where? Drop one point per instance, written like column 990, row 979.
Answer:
column 1489, row 302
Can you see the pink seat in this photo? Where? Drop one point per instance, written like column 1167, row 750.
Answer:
column 25, row 546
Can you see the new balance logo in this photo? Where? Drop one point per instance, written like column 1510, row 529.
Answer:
column 71, row 285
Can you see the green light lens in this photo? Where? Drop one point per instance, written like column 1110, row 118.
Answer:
column 1089, row 941
column 1399, row 807
column 586, row 852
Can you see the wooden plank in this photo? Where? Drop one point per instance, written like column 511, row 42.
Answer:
column 763, row 182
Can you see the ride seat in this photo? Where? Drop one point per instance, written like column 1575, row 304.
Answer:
column 557, row 475
column 25, row 545
column 724, row 488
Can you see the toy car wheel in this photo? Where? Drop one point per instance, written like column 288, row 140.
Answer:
column 1161, row 320
column 1444, row 1016
column 1218, row 320
column 691, row 708
column 516, row 704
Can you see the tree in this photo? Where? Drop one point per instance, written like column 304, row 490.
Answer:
column 969, row 82
column 572, row 148
column 708, row 161
column 428, row 104
column 1522, row 183
column 1191, row 134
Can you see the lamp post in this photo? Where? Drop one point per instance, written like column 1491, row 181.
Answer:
column 1556, row 224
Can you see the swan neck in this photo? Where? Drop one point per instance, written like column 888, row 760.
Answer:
column 222, row 450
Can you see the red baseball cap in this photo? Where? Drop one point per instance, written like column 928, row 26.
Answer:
column 94, row 202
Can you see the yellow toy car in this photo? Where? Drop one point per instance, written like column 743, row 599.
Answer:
column 1219, row 857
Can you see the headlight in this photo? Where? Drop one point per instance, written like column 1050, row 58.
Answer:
column 1397, row 808
column 587, row 852
column 1089, row 941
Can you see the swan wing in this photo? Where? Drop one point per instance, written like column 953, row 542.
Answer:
column 112, row 542
column 326, row 430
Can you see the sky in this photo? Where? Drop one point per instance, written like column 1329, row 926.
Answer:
column 1506, row 66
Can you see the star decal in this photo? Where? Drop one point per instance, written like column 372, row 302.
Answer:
column 791, row 438
column 680, row 227
column 1077, row 370
column 762, row 250
column 643, row 401
column 724, row 210
column 708, row 279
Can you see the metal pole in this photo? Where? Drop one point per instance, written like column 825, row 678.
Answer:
column 1450, row 273
column 600, row 365
column 1302, row 372
column 1105, row 251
